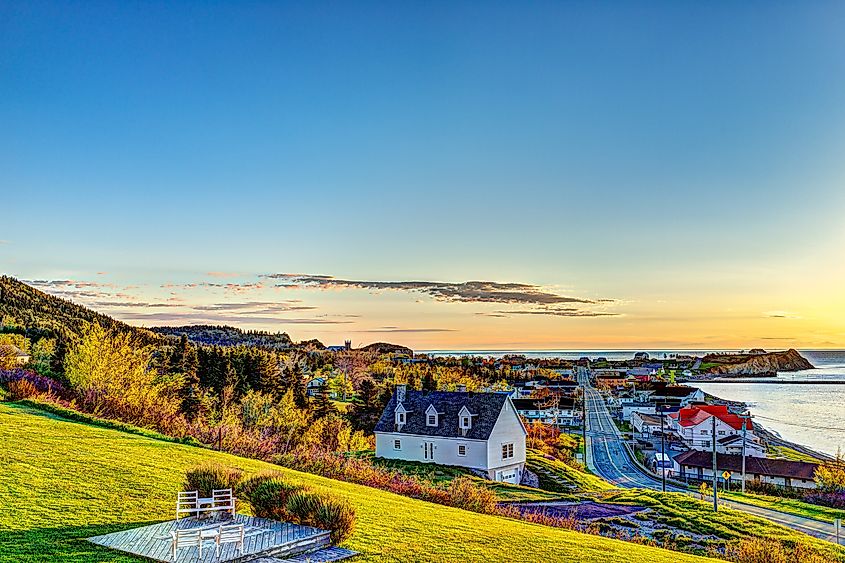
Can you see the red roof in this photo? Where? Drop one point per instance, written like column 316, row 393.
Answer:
column 693, row 416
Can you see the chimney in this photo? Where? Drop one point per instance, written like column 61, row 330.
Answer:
column 400, row 392
column 461, row 388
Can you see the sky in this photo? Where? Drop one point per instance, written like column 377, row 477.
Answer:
column 444, row 175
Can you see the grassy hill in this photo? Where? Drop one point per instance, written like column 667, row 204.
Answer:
column 64, row 481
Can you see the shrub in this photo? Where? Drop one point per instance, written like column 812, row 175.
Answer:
column 269, row 496
column 40, row 383
column 21, row 389
column 466, row 494
column 209, row 476
column 322, row 511
column 758, row 550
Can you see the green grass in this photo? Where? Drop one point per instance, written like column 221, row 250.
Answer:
column 790, row 454
column 787, row 505
column 690, row 514
column 565, row 477
column 445, row 473
column 64, row 481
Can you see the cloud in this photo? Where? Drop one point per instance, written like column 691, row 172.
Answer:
column 61, row 284
column 259, row 307
column 395, row 329
column 223, row 274
column 231, row 287
column 143, row 304
column 195, row 318
column 559, row 312
column 781, row 315
column 463, row 292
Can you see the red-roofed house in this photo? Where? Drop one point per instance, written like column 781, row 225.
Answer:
column 694, row 425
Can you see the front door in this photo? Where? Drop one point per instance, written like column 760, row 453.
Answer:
column 428, row 451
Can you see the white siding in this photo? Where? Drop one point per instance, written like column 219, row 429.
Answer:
column 445, row 450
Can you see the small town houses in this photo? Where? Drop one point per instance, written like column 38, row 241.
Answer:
column 695, row 427
column 479, row 431
column 696, row 465
column 553, row 409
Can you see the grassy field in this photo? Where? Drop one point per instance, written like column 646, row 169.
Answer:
column 445, row 473
column 557, row 476
column 65, row 481
column 687, row 513
column 788, row 505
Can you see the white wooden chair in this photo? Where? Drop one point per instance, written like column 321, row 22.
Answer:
column 187, row 502
column 189, row 537
column 232, row 533
column 223, row 500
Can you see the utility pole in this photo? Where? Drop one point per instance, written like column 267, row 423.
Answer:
column 662, row 450
column 744, row 434
column 715, row 474
column 584, row 419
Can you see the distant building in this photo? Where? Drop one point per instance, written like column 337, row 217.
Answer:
column 15, row 354
column 698, row 466
column 480, row 431
column 557, row 411
column 694, row 426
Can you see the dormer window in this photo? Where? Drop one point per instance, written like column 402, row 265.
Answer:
column 464, row 421
column 401, row 417
column 431, row 416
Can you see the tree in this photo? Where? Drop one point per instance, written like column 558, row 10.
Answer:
column 321, row 405
column 830, row 476
column 42, row 355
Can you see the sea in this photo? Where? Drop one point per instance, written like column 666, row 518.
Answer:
column 812, row 415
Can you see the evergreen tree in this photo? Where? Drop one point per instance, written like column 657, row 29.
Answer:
column 321, row 404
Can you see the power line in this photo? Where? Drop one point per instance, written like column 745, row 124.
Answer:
column 809, row 426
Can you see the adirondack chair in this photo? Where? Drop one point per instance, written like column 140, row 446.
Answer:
column 189, row 537
column 232, row 533
column 223, row 500
column 187, row 502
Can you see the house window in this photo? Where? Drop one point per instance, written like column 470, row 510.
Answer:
column 507, row 451
column 705, row 432
column 397, row 444
column 721, row 432
column 400, row 417
column 432, row 420
column 464, row 422
column 462, row 449
column 706, row 443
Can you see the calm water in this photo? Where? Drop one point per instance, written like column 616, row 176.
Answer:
column 813, row 415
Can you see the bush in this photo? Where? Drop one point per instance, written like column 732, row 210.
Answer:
column 466, row 494
column 21, row 389
column 38, row 382
column 209, row 476
column 322, row 511
column 269, row 495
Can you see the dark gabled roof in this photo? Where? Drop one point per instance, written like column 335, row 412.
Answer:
column 754, row 465
column 485, row 408
column 675, row 391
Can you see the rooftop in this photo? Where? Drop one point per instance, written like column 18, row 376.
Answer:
column 692, row 416
column 753, row 465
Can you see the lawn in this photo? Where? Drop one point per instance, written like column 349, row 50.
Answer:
column 787, row 505
column 688, row 513
column 65, row 481
column 557, row 476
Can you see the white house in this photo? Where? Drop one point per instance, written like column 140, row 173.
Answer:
column 480, row 431
column 556, row 410
column 646, row 425
column 694, row 425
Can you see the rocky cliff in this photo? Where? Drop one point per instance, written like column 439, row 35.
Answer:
column 749, row 365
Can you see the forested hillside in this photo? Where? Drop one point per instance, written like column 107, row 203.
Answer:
column 227, row 336
column 26, row 309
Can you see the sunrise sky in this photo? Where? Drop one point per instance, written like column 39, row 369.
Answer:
column 453, row 175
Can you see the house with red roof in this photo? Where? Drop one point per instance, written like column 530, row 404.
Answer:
column 694, row 426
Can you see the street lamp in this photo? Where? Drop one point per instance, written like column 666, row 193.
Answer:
column 661, row 408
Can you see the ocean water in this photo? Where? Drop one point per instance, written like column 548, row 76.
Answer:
column 813, row 415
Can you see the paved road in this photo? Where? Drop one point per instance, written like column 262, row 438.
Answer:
column 608, row 457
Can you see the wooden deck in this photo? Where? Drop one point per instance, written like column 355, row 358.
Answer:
column 264, row 538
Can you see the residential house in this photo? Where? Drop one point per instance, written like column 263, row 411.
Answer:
column 480, row 431
column 676, row 395
column 646, row 425
column 694, row 425
column 15, row 354
column 555, row 410
column 698, row 466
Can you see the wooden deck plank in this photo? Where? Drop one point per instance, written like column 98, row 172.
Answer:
column 262, row 537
